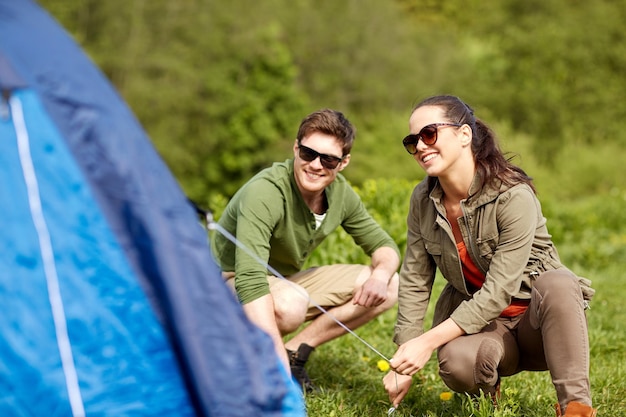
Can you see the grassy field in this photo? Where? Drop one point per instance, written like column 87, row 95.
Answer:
column 351, row 383
column 590, row 233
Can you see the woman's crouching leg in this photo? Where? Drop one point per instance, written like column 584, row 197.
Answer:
column 474, row 363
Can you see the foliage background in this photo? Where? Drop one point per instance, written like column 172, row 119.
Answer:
column 221, row 87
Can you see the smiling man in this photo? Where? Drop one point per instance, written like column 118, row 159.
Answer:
column 282, row 214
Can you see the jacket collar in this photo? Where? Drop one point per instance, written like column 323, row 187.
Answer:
column 478, row 194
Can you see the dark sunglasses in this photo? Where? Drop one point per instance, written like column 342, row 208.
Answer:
column 310, row 155
column 428, row 135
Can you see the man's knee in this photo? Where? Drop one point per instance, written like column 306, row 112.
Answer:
column 290, row 308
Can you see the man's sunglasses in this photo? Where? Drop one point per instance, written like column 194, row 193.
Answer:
column 428, row 135
column 310, row 155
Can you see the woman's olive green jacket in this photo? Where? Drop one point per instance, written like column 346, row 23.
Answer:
column 506, row 237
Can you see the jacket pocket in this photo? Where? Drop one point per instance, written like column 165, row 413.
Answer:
column 433, row 247
column 487, row 247
column 585, row 287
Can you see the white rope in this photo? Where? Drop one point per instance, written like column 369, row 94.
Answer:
column 47, row 256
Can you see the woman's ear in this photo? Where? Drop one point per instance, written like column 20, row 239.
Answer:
column 466, row 135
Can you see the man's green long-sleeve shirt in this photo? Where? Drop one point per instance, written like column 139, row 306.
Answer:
column 269, row 216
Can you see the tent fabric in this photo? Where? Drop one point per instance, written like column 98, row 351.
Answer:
column 112, row 305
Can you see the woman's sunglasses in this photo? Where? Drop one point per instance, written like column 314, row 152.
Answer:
column 428, row 135
column 310, row 155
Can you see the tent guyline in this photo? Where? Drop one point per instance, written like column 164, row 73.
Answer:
column 211, row 224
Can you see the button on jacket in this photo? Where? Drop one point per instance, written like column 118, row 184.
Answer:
column 506, row 237
column 269, row 216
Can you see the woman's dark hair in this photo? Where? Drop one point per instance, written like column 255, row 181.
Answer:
column 490, row 161
column 329, row 122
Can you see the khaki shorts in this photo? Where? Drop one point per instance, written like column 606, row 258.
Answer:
column 328, row 286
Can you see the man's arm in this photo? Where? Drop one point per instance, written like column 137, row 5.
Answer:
column 251, row 216
column 373, row 292
column 261, row 312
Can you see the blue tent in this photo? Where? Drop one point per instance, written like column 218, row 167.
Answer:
column 111, row 303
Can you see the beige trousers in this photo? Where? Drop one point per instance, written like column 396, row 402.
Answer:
column 551, row 335
column 327, row 286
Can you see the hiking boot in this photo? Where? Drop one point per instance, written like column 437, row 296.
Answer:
column 297, row 360
column 576, row 409
column 495, row 395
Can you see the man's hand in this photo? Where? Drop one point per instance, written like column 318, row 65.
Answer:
column 372, row 293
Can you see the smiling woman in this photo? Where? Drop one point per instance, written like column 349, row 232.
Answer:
column 509, row 304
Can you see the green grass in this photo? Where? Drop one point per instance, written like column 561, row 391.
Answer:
column 351, row 384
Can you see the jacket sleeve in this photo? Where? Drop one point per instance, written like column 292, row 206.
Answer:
column 517, row 216
column 417, row 275
column 259, row 210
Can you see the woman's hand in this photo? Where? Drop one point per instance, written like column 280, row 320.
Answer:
column 411, row 356
column 397, row 386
